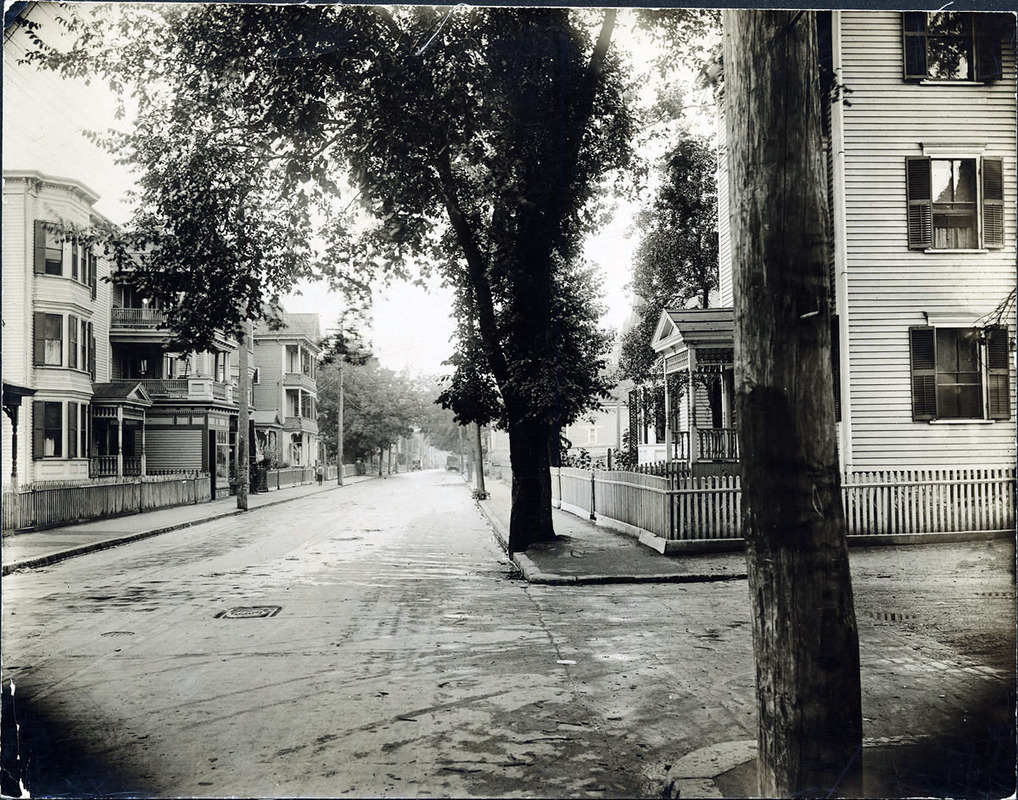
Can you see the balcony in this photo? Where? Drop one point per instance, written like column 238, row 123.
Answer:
column 135, row 318
column 299, row 379
column 191, row 389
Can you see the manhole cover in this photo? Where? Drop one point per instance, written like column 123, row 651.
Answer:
column 249, row 612
column 117, row 633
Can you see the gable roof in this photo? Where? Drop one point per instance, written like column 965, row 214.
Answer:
column 681, row 328
column 122, row 391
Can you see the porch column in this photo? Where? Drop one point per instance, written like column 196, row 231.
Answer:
column 12, row 412
column 120, row 442
column 669, row 455
column 694, row 437
column 143, row 463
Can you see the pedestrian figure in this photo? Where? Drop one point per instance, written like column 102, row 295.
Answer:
column 319, row 473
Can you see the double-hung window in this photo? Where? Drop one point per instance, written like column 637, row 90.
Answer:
column 49, row 339
column 944, row 46
column 47, row 429
column 955, row 203
column 49, row 249
column 960, row 373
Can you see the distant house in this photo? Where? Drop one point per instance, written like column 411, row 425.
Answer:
column 285, row 390
column 922, row 178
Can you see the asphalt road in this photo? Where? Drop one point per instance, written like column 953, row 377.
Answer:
column 401, row 656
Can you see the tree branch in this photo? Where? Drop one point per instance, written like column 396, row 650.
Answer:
column 476, row 266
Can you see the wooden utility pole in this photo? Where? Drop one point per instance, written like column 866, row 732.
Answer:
column 804, row 629
column 481, row 490
column 243, row 422
column 339, row 428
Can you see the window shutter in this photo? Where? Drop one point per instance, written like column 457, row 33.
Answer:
column 75, row 249
column 72, row 341
column 993, row 202
column 91, row 351
column 40, row 247
column 920, row 203
column 92, row 272
column 924, row 373
column 988, row 30
column 836, row 365
column 39, row 338
column 38, row 428
column 998, row 387
column 72, row 430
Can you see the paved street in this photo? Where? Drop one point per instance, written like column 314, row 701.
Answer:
column 408, row 658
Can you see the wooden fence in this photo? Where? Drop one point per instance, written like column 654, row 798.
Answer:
column 710, row 507
column 47, row 506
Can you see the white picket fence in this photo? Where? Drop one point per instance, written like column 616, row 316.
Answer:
column 896, row 502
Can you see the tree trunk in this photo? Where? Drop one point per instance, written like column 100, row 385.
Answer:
column 530, row 519
column 804, row 629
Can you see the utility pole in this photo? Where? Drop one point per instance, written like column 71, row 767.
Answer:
column 480, row 464
column 339, row 427
column 243, row 421
column 804, row 630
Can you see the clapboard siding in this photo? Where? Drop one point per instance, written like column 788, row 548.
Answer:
column 268, row 357
column 890, row 288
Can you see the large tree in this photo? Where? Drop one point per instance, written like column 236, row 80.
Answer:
column 677, row 258
column 804, row 628
column 476, row 138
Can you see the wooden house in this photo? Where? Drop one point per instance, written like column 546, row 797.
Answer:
column 920, row 145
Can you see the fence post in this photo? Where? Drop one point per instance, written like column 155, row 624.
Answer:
column 593, row 510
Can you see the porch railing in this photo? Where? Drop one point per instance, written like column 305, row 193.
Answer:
column 137, row 318
column 718, row 444
column 106, row 466
column 898, row 502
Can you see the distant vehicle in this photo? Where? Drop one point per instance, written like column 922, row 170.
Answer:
column 453, row 463
column 415, row 464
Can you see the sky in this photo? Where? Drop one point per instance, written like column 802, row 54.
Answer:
column 411, row 326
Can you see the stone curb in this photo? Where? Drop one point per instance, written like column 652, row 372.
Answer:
column 107, row 544
column 534, row 574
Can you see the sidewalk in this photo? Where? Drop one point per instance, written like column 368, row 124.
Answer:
column 34, row 549
column 584, row 553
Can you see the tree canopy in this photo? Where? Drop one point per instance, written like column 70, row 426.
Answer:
column 677, row 259
column 477, row 141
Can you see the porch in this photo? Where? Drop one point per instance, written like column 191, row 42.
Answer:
column 698, row 387
column 118, row 430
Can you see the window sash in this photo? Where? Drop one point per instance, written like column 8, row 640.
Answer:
column 47, row 429
column 49, row 340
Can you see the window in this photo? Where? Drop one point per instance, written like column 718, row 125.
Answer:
column 47, row 430
column 49, row 339
column 49, row 249
column 955, row 203
column 953, row 46
column 960, row 373
column 592, row 435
